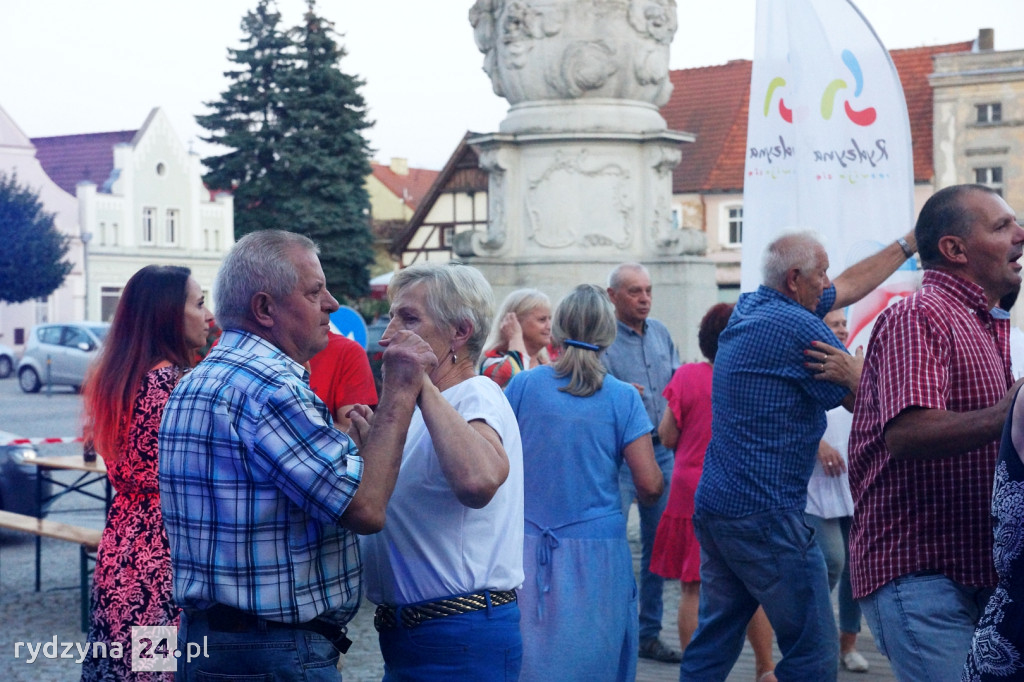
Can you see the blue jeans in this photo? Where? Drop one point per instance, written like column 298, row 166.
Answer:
column 254, row 656
column 924, row 623
column 769, row 559
column 833, row 537
column 480, row 646
column 651, row 584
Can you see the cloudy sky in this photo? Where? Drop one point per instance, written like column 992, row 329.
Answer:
column 69, row 66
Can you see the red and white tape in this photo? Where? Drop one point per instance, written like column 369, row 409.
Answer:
column 42, row 441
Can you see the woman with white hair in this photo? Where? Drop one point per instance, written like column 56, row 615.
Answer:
column 519, row 337
column 578, row 424
column 445, row 568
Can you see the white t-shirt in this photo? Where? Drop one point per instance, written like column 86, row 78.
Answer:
column 829, row 497
column 432, row 545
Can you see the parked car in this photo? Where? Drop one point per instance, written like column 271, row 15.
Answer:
column 59, row 354
column 18, row 476
column 6, row 361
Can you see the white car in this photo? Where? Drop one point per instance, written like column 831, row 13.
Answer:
column 6, row 361
column 59, row 354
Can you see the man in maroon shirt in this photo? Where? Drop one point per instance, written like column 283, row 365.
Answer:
column 932, row 401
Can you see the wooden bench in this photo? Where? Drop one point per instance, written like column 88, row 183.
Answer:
column 88, row 540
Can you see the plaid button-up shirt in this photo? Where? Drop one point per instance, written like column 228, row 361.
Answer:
column 938, row 349
column 253, row 481
column 767, row 409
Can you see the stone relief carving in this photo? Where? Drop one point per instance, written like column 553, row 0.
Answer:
column 606, row 186
column 567, row 49
column 667, row 238
column 477, row 243
column 584, row 66
column 654, row 18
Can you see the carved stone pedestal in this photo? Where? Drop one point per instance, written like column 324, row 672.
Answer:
column 580, row 172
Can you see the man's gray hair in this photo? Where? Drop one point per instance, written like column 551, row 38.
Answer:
column 259, row 261
column 615, row 276
column 791, row 250
column 455, row 293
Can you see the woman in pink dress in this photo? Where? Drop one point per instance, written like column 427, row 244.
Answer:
column 160, row 323
column 686, row 426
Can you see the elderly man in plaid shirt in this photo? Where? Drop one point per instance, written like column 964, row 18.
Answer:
column 768, row 416
column 925, row 438
column 261, row 494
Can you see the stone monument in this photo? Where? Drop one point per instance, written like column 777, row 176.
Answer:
column 580, row 171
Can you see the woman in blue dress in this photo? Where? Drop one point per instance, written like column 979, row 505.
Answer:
column 579, row 599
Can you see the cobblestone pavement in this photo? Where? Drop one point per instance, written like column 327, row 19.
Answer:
column 52, row 614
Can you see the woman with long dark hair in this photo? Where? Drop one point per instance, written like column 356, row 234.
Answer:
column 160, row 323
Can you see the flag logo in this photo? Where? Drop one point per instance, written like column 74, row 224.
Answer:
column 863, row 117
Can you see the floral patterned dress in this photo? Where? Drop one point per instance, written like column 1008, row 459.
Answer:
column 132, row 582
column 999, row 638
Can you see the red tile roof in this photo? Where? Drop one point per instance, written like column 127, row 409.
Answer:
column 712, row 103
column 70, row 159
column 410, row 188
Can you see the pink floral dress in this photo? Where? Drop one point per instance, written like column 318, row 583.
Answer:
column 132, row 582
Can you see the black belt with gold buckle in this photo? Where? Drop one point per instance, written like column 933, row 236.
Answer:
column 411, row 616
column 224, row 618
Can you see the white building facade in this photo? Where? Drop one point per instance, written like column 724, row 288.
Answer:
column 151, row 208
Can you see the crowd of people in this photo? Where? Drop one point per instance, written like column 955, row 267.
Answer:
column 480, row 499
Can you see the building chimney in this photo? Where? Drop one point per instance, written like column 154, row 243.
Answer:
column 986, row 39
column 399, row 166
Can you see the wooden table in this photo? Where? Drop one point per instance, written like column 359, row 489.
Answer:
column 90, row 473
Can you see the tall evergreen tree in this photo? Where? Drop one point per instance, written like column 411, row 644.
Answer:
column 31, row 264
column 295, row 124
column 328, row 156
column 247, row 120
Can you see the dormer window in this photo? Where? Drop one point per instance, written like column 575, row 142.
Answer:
column 990, row 113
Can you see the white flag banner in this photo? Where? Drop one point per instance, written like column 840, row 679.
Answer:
column 828, row 144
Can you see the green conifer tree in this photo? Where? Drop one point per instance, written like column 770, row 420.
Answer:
column 328, row 156
column 247, row 120
column 295, row 123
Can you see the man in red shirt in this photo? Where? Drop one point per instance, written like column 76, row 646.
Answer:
column 340, row 376
column 932, row 401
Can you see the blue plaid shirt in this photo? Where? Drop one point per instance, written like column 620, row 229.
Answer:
column 253, row 481
column 768, row 410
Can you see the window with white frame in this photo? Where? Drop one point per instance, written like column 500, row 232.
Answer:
column 989, row 113
column 148, row 225
column 109, row 296
column 447, row 236
column 990, row 177
column 171, row 226
column 677, row 216
column 42, row 309
column 732, row 227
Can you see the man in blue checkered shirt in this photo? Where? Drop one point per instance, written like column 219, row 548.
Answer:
column 261, row 495
column 768, row 416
